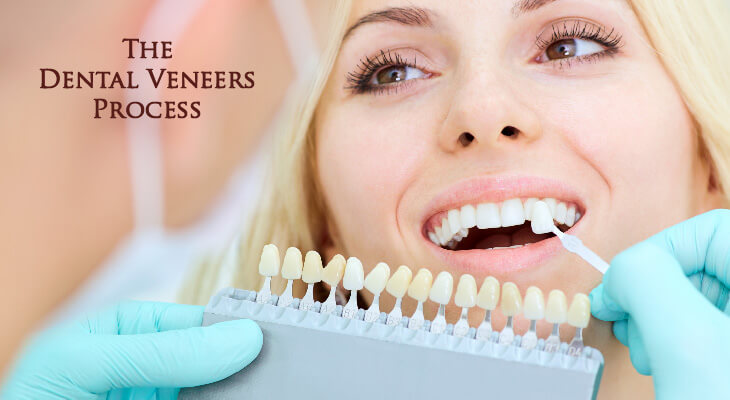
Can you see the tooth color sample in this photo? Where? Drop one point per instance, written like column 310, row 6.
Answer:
column 488, row 296
column 354, row 274
column 579, row 313
column 269, row 263
column 534, row 306
column 442, row 288
column 421, row 285
column 312, row 272
column 557, row 307
column 377, row 278
column 332, row 273
column 291, row 268
column 466, row 292
column 398, row 283
column 542, row 220
column 511, row 299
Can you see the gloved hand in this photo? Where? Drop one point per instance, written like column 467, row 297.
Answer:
column 134, row 350
column 678, row 334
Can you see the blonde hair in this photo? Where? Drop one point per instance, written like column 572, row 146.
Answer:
column 689, row 36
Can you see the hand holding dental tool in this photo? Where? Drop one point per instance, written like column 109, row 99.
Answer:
column 668, row 298
column 542, row 222
column 132, row 350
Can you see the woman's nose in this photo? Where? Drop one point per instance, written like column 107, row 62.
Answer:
column 489, row 115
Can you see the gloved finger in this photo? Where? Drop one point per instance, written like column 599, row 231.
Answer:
column 700, row 244
column 134, row 317
column 647, row 283
column 176, row 358
column 637, row 350
column 603, row 307
column 621, row 331
column 146, row 317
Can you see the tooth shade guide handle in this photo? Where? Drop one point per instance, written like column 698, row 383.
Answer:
column 287, row 297
column 373, row 312
column 416, row 321
column 507, row 335
column 264, row 294
column 461, row 328
column 307, row 302
column 576, row 246
column 350, row 309
column 438, row 325
column 529, row 339
column 484, row 332
column 552, row 343
column 396, row 314
column 329, row 305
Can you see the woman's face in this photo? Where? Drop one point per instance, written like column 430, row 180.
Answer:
column 433, row 107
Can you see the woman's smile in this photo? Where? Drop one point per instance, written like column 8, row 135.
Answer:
column 482, row 225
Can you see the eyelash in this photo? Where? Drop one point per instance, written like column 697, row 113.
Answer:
column 358, row 81
column 610, row 39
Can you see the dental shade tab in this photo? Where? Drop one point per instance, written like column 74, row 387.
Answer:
column 542, row 222
column 299, row 335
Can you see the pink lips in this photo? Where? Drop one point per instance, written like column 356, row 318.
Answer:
column 495, row 190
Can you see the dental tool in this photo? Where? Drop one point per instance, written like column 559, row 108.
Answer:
column 487, row 299
column 579, row 314
column 418, row 290
column 401, row 348
column 397, row 287
column 511, row 305
column 331, row 275
column 466, row 297
column 542, row 222
column 440, row 293
column 268, row 267
column 291, row 269
column 375, row 283
column 556, row 314
column 533, row 310
column 352, row 281
column 311, row 274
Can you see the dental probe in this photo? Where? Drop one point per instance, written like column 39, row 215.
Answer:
column 542, row 222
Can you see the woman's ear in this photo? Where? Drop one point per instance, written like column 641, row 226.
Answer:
column 715, row 195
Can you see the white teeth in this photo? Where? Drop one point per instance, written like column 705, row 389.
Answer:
column 421, row 285
column 292, row 266
column 377, row 278
column 552, row 205
column 398, row 283
column 557, row 309
column 570, row 216
column 442, row 288
column 455, row 225
column 542, row 221
column 528, row 207
column 488, row 216
column 354, row 275
column 488, row 294
column 561, row 212
column 435, row 239
column 312, row 272
column 511, row 299
column 512, row 213
column 466, row 292
column 468, row 216
column 579, row 313
column 269, row 264
column 332, row 273
column 454, row 222
column 534, row 307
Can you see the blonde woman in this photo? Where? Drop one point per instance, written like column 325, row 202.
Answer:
column 616, row 108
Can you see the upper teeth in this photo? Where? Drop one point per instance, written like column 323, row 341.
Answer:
column 456, row 223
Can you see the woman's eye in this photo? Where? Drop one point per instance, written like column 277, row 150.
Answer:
column 395, row 74
column 571, row 47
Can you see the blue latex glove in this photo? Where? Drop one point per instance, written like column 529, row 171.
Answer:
column 134, row 350
column 678, row 334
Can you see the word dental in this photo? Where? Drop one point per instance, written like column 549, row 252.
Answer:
column 159, row 78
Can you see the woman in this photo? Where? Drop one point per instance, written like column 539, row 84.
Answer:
column 614, row 108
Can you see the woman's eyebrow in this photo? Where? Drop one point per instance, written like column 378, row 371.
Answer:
column 413, row 16
column 524, row 6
